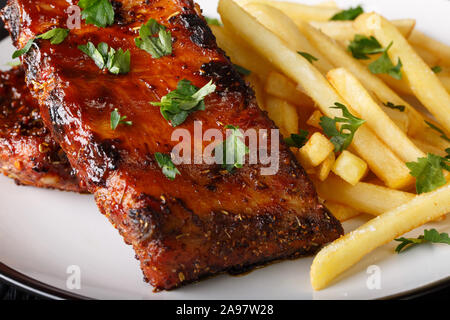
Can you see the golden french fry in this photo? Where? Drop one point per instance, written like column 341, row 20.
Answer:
column 350, row 167
column 283, row 114
column 427, row 56
column 282, row 87
column 420, row 78
column 381, row 160
column 341, row 212
column 257, row 86
column 314, row 119
column 340, row 255
column 428, row 148
column 364, row 197
column 316, row 150
column 445, row 80
column 437, row 48
column 323, row 171
column 281, row 25
column 240, row 53
column 366, row 108
column 400, row 118
column 297, row 11
column 341, row 58
column 345, row 30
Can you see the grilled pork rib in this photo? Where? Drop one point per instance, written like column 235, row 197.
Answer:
column 205, row 221
column 28, row 154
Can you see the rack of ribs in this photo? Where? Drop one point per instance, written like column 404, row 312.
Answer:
column 207, row 220
column 28, row 154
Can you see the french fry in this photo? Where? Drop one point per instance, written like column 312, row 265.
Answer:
column 428, row 148
column 255, row 83
column 360, row 100
column 283, row 114
column 364, row 197
column 282, row 87
column 281, row 25
column 345, row 30
column 324, row 169
column 297, row 11
column 315, row 151
column 340, row 255
column 399, row 117
column 427, row 56
column 421, row 79
column 240, row 53
column 350, row 167
column 382, row 161
column 437, row 48
column 314, row 119
column 341, row 58
column 341, row 212
column 445, row 80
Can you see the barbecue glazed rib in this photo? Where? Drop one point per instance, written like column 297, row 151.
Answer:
column 205, row 221
column 28, row 154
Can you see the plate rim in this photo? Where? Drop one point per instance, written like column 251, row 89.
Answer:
column 42, row 289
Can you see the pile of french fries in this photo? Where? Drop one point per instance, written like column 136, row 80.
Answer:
column 371, row 176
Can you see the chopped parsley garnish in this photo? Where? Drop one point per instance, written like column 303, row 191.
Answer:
column 177, row 105
column 341, row 138
column 56, row 36
column 213, row 21
column 155, row 39
column 297, row 140
column 429, row 172
column 165, row 163
column 361, row 46
column 436, row 69
column 117, row 119
column 429, row 236
column 116, row 61
column 233, row 150
column 307, row 56
column 390, row 105
column 350, row 14
column 385, row 65
column 439, row 130
column 242, row 70
column 448, row 153
column 97, row 12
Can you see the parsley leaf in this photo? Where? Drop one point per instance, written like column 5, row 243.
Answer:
column 97, row 12
column 24, row 50
column 307, row 56
column 157, row 46
column 213, row 21
column 400, row 108
column 361, row 46
column 187, row 98
column 297, row 140
column 350, row 14
column 56, row 36
column 232, row 150
column 439, row 130
column 448, row 153
column 341, row 138
column 242, row 70
column 429, row 236
column 428, row 172
column 116, row 61
column 165, row 163
column 117, row 119
column 384, row 65
column 436, row 69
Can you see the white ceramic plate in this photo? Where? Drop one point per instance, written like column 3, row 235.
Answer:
column 43, row 233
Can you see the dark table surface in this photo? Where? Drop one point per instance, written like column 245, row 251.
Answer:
column 8, row 292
